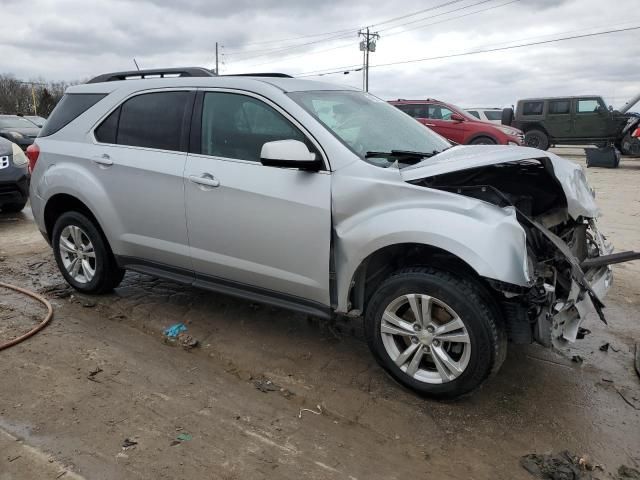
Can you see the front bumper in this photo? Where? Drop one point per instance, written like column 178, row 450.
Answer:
column 14, row 184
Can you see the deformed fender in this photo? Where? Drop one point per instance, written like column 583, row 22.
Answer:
column 488, row 238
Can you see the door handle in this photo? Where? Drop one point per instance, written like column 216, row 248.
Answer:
column 205, row 179
column 430, row 124
column 103, row 160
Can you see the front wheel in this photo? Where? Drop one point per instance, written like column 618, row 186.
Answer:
column 435, row 333
column 83, row 255
column 483, row 141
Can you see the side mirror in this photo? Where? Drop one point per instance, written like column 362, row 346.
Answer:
column 289, row 154
column 600, row 109
column 456, row 117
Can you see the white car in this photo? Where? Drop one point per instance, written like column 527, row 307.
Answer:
column 493, row 115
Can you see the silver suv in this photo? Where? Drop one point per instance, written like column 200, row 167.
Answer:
column 325, row 200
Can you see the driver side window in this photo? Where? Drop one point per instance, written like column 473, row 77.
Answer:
column 237, row 126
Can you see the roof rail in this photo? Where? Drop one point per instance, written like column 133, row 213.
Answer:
column 156, row 72
column 265, row 74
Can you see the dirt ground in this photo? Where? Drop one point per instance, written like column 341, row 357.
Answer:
column 101, row 374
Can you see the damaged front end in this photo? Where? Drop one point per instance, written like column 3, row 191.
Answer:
column 568, row 258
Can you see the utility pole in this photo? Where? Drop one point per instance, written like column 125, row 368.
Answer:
column 217, row 71
column 366, row 46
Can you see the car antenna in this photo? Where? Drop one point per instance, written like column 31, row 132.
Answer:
column 136, row 63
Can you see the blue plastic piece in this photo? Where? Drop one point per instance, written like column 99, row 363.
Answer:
column 174, row 330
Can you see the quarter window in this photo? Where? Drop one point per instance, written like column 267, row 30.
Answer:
column 474, row 113
column 532, row 108
column 237, row 126
column 151, row 120
column 559, row 107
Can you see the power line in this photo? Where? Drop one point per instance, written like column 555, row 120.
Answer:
column 438, row 15
column 290, row 47
column 344, row 33
column 402, row 17
column 452, row 18
column 311, row 35
column 349, row 44
column 475, row 52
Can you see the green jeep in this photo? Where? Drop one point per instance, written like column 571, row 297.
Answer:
column 574, row 121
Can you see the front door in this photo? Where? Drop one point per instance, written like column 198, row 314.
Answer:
column 440, row 121
column 266, row 230
column 591, row 118
column 139, row 158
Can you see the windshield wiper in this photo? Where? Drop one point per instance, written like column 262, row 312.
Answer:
column 400, row 154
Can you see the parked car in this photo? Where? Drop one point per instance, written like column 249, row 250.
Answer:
column 18, row 130
column 14, row 177
column 456, row 125
column 493, row 115
column 37, row 120
column 578, row 120
column 324, row 200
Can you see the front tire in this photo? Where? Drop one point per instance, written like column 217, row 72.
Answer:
column 435, row 333
column 536, row 139
column 483, row 141
column 83, row 255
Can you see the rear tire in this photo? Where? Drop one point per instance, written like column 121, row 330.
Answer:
column 536, row 139
column 85, row 259
column 13, row 207
column 460, row 342
column 483, row 141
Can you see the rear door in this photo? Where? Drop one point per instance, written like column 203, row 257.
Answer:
column 440, row 121
column 252, row 228
column 559, row 122
column 139, row 159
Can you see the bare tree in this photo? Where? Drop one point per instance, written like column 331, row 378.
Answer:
column 19, row 97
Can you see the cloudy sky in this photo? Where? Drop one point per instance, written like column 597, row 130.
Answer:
column 75, row 39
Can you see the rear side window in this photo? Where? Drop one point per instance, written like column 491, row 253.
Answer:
column 532, row 108
column 416, row 111
column 558, row 107
column 493, row 114
column 151, row 120
column 70, row 106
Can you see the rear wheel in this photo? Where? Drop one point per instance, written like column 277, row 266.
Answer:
column 434, row 333
column 13, row 207
column 536, row 139
column 83, row 255
column 483, row 141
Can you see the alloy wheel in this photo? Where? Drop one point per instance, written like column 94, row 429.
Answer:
column 425, row 338
column 77, row 254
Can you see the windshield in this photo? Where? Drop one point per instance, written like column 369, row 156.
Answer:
column 15, row 122
column 365, row 123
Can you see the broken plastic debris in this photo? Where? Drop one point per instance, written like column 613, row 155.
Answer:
column 174, row 330
column 184, row 437
column 319, row 412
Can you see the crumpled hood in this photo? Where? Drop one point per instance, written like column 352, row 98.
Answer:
column 580, row 201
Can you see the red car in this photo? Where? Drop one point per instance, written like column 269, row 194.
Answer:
column 456, row 125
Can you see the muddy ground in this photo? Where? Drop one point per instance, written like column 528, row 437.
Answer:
column 100, row 373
